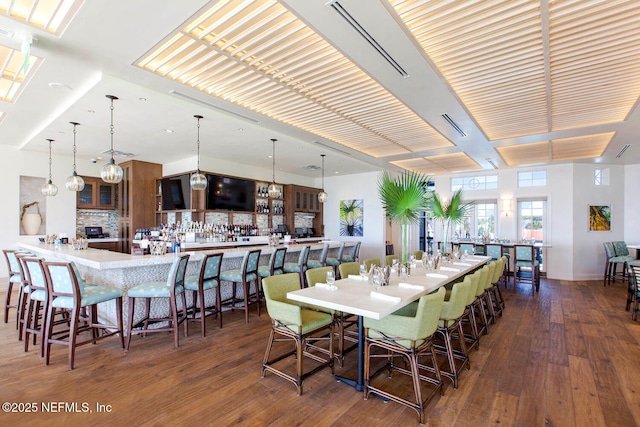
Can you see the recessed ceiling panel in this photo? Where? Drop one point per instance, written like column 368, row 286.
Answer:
column 524, row 154
column 260, row 56
column 581, row 147
column 52, row 16
column 595, row 61
column 454, row 162
column 491, row 53
column 419, row 165
column 12, row 77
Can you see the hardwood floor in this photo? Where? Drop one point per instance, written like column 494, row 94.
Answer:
column 567, row 356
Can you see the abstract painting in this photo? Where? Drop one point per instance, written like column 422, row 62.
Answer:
column 599, row 218
column 352, row 217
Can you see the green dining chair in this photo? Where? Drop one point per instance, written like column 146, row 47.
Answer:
column 409, row 338
column 310, row 332
column 450, row 327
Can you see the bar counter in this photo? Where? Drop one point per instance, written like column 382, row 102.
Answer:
column 125, row 271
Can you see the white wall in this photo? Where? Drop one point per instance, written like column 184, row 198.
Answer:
column 631, row 205
column 60, row 210
column 361, row 186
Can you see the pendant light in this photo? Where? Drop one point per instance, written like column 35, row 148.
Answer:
column 322, row 195
column 111, row 172
column 74, row 182
column 198, row 181
column 49, row 189
column 273, row 190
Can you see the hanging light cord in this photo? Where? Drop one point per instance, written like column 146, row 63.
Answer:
column 273, row 161
column 198, row 168
column 323, row 172
column 50, row 141
column 74, row 147
column 111, row 129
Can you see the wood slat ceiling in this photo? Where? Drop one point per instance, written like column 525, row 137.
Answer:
column 589, row 146
column 524, row 154
column 444, row 163
column 262, row 57
column 52, row 16
column 525, row 67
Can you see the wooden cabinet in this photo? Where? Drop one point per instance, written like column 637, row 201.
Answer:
column 110, row 246
column 97, row 194
column 137, row 199
column 304, row 200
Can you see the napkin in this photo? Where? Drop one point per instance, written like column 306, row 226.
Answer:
column 410, row 286
column 437, row 276
column 462, row 263
column 326, row 286
column 385, row 297
column 449, row 269
column 360, row 278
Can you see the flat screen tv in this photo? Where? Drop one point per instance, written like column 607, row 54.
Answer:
column 231, row 194
column 176, row 193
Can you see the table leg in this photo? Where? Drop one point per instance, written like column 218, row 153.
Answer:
column 358, row 384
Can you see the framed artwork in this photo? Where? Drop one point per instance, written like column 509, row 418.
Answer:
column 352, row 217
column 599, row 218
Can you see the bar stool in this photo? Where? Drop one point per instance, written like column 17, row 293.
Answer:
column 354, row 255
column 35, row 313
column 299, row 267
column 247, row 273
column 335, row 262
column 170, row 289
column 525, row 261
column 15, row 278
column 66, row 292
column 208, row 278
column 275, row 265
column 322, row 260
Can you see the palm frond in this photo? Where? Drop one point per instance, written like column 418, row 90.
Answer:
column 403, row 196
column 454, row 211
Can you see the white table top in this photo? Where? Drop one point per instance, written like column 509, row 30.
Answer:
column 354, row 296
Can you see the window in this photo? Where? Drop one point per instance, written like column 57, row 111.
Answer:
column 531, row 217
column 481, row 220
column 601, row 176
column 532, row 179
column 471, row 183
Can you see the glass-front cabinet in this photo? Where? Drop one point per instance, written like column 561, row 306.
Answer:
column 97, row 194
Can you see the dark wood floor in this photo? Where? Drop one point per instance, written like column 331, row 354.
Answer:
column 567, row 356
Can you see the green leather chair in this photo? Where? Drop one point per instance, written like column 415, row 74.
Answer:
column 408, row 337
column 472, row 337
column 306, row 328
column 450, row 326
column 371, row 261
column 208, row 278
column 388, row 260
column 170, row 289
column 349, row 268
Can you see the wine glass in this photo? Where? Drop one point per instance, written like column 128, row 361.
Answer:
column 404, row 272
column 363, row 271
column 376, row 279
column 331, row 278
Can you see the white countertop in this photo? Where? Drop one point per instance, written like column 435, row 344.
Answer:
column 104, row 260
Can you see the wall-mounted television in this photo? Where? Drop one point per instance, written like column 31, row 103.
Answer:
column 232, row 194
column 176, row 193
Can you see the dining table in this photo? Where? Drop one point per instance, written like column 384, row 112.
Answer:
column 357, row 296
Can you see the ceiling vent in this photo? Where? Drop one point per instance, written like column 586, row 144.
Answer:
column 215, row 107
column 119, row 153
column 625, row 148
column 365, row 34
column 493, row 165
column 311, row 167
column 454, row 125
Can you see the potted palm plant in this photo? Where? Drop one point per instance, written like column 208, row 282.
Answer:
column 403, row 197
column 449, row 213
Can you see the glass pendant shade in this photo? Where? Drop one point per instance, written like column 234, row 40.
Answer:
column 75, row 183
column 273, row 191
column 322, row 195
column 198, row 181
column 49, row 189
column 111, row 172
